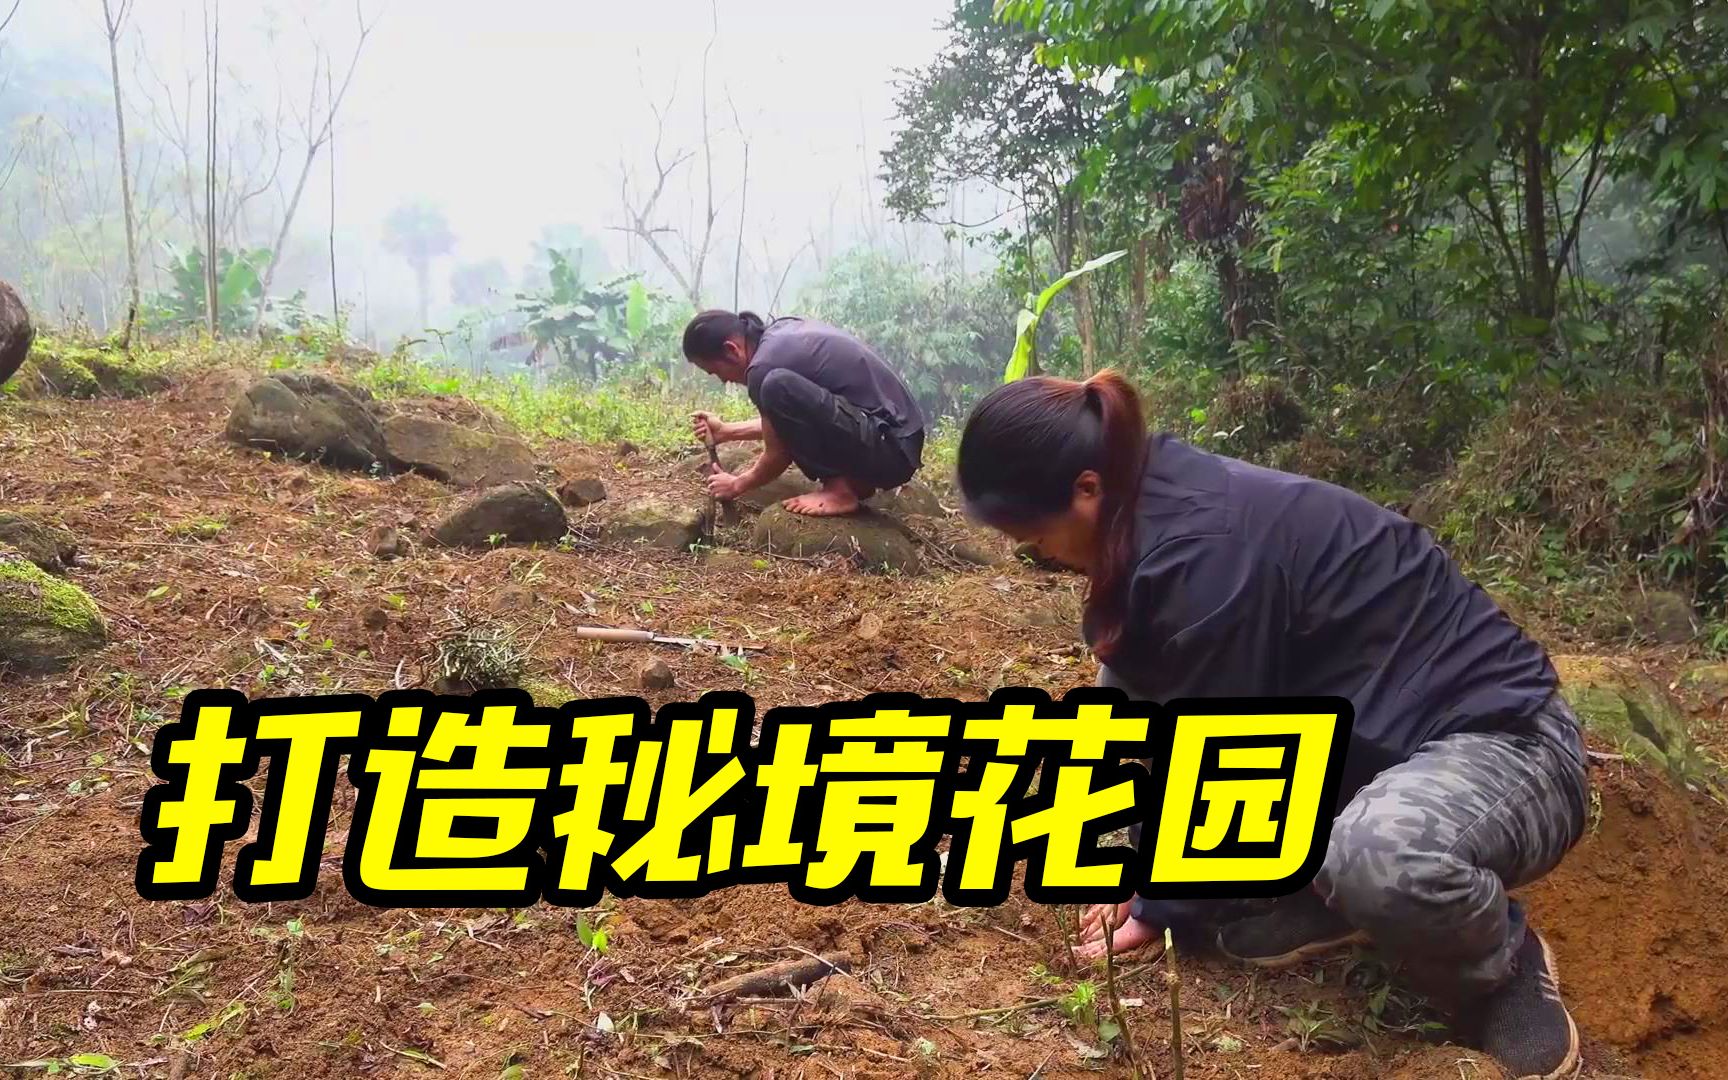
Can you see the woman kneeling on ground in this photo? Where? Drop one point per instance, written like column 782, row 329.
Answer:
column 1466, row 772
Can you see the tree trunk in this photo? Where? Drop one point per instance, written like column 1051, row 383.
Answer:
column 113, row 26
column 1083, row 302
column 1137, row 293
column 213, row 61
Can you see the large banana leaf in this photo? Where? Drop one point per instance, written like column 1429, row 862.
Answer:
column 1026, row 326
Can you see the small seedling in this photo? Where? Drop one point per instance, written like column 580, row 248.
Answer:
column 592, row 936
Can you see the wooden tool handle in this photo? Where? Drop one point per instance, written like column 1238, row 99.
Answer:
column 608, row 633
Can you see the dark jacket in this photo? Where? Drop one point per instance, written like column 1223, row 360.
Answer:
column 1252, row 582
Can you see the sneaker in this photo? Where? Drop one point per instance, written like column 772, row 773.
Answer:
column 1299, row 928
column 1524, row 1025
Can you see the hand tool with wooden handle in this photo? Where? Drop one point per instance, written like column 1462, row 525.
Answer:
column 649, row 637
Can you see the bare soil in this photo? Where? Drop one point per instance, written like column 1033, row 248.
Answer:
column 215, row 565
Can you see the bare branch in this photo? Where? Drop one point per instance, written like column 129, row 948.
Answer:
column 7, row 21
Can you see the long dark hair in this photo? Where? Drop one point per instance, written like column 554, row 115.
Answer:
column 708, row 332
column 1022, row 449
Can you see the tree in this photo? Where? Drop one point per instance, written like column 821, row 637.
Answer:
column 1518, row 111
column 113, row 18
column 318, row 128
column 419, row 234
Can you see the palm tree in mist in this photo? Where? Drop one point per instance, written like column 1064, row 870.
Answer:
column 419, row 233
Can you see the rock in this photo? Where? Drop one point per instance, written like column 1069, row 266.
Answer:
column 654, row 520
column 1708, row 680
column 655, row 675
column 312, row 417
column 580, row 491
column 869, row 626
column 913, row 498
column 513, row 513
column 872, row 540
column 48, row 546
column 513, row 598
column 1626, row 708
column 1665, row 617
column 456, row 455
column 735, row 562
column 1060, row 612
column 386, row 543
column 736, row 457
column 373, row 619
column 978, row 554
column 626, row 448
column 459, row 411
column 45, row 623
column 16, row 333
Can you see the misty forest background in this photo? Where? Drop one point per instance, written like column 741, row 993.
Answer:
column 1469, row 259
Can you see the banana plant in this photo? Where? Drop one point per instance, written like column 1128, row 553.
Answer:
column 1026, row 328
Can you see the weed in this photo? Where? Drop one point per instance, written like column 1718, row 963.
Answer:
column 482, row 657
column 1314, row 1025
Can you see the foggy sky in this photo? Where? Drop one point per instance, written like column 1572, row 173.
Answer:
column 515, row 114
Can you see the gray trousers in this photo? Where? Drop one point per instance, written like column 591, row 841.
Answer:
column 1421, row 858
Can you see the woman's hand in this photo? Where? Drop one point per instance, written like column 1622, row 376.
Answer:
column 1126, row 933
column 710, row 428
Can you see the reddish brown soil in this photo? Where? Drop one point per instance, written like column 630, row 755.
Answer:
column 1636, row 913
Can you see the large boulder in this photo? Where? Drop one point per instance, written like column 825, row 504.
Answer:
column 869, row 538
column 656, row 521
column 16, row 333
column 310, row 416
column 45, row 544
column 462, row 456
column 45, row 623
column 513, row 513
column 1626, row 708
column 1662, row 616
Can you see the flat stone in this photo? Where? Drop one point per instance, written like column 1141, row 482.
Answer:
column 514, row 513
column 869, row 538
column 656, row 675
column 456, row 455
column 654, row 520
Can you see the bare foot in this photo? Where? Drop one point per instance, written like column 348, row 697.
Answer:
column 836, row 498
column 1131, row 935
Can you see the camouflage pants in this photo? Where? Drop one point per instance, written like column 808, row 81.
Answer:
column 1422, row 857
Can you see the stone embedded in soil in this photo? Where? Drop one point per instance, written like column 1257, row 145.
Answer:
column 912, row 499
column 872, row 540
column 514, row 513
column 1708, row 680
column 1664, row 617
column 512, row 599
column 47, row 545
column 656, row 675
column 654, row 520
column 869, row 626
column 373, row 619
column 309, row 416
column 460, row 456
column 580, row 491
column 16, row 333
column 1628, row 709
column 386, row 543
column 45, row 623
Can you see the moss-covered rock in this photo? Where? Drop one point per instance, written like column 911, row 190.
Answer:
column 1625, row 707
column 871, row 539
column 43, row 543
column 656, row 521
column 57, row 369
column 45, row 623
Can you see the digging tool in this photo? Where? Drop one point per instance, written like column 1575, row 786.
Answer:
column 713, row 517
column 649, row 637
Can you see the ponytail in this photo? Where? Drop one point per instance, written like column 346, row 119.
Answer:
column 706, row 335
column 1021, row 451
